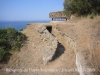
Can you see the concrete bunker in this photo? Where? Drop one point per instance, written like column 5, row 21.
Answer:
column 60, row 48
column 49, row 28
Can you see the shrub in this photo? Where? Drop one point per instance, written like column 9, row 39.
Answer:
column 92, row 16
column 10, row 39
column 2, row 52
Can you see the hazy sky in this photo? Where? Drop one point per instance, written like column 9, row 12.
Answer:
column 22, row 10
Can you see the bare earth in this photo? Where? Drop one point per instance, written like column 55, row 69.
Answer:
column 80, row 38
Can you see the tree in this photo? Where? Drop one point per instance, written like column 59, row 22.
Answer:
column 82, row 7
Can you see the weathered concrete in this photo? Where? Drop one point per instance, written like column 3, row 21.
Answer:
column 50, row 48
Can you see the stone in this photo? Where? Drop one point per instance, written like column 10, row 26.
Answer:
column 49, row 50
column 40, row 29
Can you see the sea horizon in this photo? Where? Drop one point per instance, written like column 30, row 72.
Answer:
column 18, row 25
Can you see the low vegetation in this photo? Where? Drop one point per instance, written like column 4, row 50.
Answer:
column 10, row 39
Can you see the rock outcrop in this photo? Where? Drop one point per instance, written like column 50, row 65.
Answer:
column 50, row 49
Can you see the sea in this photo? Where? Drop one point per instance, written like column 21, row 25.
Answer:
column 18, row 25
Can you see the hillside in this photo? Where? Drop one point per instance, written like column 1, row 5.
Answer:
column 58, row 48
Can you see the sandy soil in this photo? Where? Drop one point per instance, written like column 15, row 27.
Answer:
column 84, row 31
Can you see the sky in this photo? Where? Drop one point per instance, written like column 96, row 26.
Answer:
column 28, row 10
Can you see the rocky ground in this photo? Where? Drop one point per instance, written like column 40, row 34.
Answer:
column 58, row 48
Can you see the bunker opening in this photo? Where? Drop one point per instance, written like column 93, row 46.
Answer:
column 49, row 28
column 59, row 51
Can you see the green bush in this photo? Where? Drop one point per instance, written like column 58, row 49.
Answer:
column 92, row 16
column 10, row 39
column 3, row 51
column 82, row 7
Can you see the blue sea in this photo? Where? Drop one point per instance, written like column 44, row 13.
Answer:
column 18, row 24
